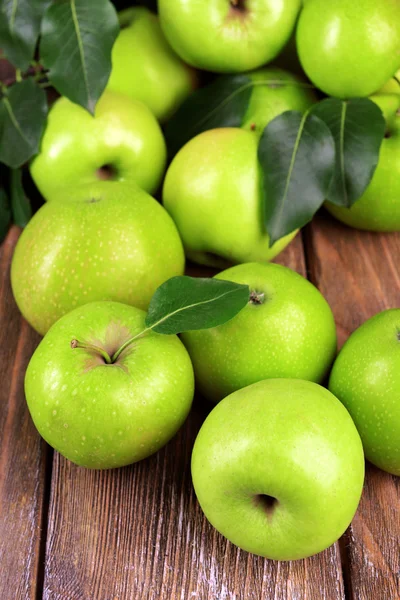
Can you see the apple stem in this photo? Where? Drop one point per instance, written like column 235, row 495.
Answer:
column 103, row 353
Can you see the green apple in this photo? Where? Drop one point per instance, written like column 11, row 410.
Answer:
column 278, row 468
column 349, row 49
column 144, row 66
column 366, row 378
column 378, row 209
column 102, row 415
column 121, row 142
column 228, row 36
column 212, row 190
column 102, row 241
column 392, row 86
column 287, row 330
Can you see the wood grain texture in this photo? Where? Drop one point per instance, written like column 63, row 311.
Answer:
column 22, row 454
column 138, row 533
column 359, row 274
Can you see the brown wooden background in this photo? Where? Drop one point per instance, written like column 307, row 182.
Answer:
column 137, row 533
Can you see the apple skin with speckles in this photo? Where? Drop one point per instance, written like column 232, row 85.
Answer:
column 122, row 142
column 278, row 468
column 102, row 415
column 366, row 379
column 102, row 241
column 286, row 331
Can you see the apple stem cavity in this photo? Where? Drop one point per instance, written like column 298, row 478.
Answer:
column 267, row 503
column 126, row 344
column 257, row 297
column 238, row 5
column 103, row 353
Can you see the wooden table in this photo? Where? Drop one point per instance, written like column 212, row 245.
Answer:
column 136, row 533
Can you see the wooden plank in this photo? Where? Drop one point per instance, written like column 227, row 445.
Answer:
column 138, row 532
column 22, row 454
column 359, row 274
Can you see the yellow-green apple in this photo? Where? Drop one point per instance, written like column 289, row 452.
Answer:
column 212, row 190
column 366, row 378
column 278, row 468
column 144, row 66
column 228, row 36
column 102, row 241
column 349, row 49
column 392, row 86
column 286, row 330
column 101, row 413
column 121, row 142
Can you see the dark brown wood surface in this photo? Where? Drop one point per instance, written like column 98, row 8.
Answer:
column 67, row 533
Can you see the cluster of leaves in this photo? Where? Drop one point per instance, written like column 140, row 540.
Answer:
column 329, row 153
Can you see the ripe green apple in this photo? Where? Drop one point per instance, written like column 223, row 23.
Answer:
column 122, row 142
column 144, row 66
column 103, row 415
column 349, row 49
column 392, row 86
column 366, row 378
column 286, row 330
column 230, row 35
column 278, row 468
column 212, row 191
column 378, row 209
column 102, row 241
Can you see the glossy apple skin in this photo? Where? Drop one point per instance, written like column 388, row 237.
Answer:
column 378, row 209
column 95, row 243
column 288, row 439
column 215, row 36
column 349, row 49
column 366, row 379
column 146, row 68
column 123, row 134
column 290, row 334
column 212, row 191
column 102, row 416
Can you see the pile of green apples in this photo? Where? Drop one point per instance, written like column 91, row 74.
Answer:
column 278, row 465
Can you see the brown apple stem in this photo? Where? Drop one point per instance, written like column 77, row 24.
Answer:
column 103, row 353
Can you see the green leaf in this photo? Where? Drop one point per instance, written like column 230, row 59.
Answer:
column 19, row 29
column 358, row 128
column 77, row 38
column 188, row 303
column 23, row 112
column 297, row 157
column 20, row 205
column 223, row 103
column 5, row 214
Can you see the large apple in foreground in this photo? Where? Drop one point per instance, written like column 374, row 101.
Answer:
column 144, row 66
column 230, row 35
column 278, row 468
column 378, row 209
column 212, row 190
column 122, row 142
column 286, row 330
column 366, row 378
column 104, row 241
column 349, row 49
column 103, row 415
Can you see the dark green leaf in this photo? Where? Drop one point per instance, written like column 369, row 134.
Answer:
column 22, row 117
column 223, row 103
column 20, row 205
column 19, row 29
column 77, row 38
column 297, row 157
column 5, row 214
column 358, row 128
column 188, row 303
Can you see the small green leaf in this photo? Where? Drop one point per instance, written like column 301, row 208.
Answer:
column 223, row 103
column 297, row 157
column 188, row 303
column 358, row 128
column 23, row 112
column 76, row 44
column 5, row 214
column 19, row 29
column 20, row 205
